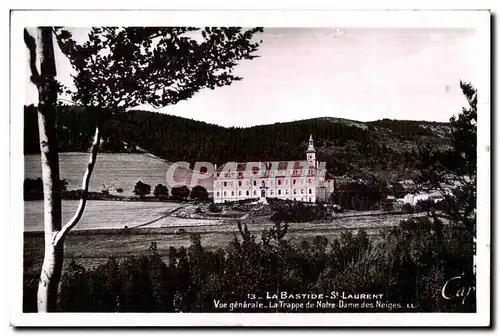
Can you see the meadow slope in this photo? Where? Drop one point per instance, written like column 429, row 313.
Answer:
column 113, row 170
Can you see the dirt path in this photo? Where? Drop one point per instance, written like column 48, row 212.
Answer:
column 159, row 218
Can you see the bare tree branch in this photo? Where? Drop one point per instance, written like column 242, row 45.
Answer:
column 31, row 44
column 85, row 187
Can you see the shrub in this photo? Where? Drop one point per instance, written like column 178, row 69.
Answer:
column 199, row 193
column 408, row 208
column 361, row 195
column 63, row 184
column 142, row 189
column 299, row 212
column 425, row 205
column 388, row 205
column 214, row 208
column 161, row 191
column 35, row 186
column 409, row 264
column 249, row 200
column 180, row 193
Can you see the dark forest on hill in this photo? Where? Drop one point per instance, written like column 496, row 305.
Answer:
column 349, row 148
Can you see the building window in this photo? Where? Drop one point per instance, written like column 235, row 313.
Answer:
column 310, row 191
column 248, row 193
column 224, row 193
column 294, row 181
column 279, row 191
column 279, row 182
column 239, row 183
column 255, row 192
column 309, row 181
column 263, row 184
column 302, row 191
column 218, row 194
column 271, row 191
column 310, row 200
column 225, row 184
column 286, row 191
column 254, row 183
column 239, row 193
column 232, row 193
column 295, row 191
column 294, row 198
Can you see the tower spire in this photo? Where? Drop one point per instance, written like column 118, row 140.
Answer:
column 311, row 149
column 311, row 152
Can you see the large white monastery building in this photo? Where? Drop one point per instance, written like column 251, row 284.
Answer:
column 304, row 181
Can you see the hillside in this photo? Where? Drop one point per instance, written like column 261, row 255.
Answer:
column 387, row 147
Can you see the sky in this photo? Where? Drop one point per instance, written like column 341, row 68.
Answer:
column 354, row 73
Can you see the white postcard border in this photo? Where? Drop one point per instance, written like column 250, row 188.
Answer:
column 479, row 20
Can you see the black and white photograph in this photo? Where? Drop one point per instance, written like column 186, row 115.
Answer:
column 235, row 169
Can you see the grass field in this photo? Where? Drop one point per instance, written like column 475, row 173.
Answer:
column 101, row 214
column 90, row 248
column 115, row 170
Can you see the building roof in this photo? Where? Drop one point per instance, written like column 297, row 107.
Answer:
column 429, row 193
column 268, row 165
column 276, row 166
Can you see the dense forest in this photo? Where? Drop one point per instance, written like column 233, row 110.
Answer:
column 348, row 147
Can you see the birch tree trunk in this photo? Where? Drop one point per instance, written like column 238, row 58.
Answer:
column 41, row 54
column 47, row 101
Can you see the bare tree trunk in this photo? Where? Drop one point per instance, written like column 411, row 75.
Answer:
column 54, row 240
column 41, row 49
column 47, row 101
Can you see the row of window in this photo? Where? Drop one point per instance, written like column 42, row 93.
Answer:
column 303, row 199
column 271, row 192
column 294, row 181
column 239, row 193
column 273, row 173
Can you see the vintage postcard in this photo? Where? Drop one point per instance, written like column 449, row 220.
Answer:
column 250, row 168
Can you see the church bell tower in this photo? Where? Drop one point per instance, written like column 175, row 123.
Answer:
column 311, row 153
